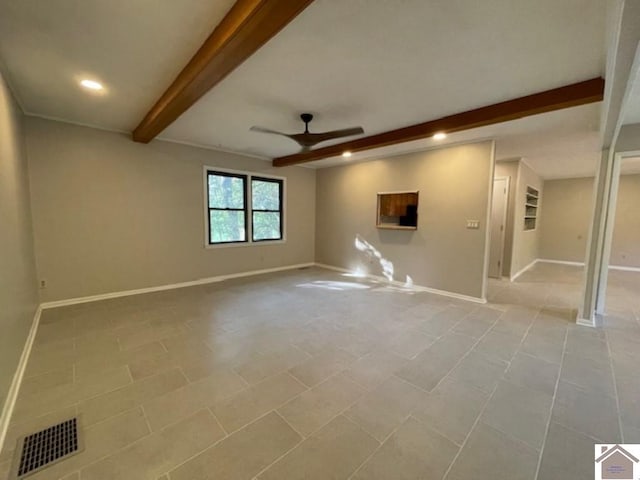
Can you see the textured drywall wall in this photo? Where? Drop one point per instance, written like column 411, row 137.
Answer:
column 113, row 215
column 454, row 185
column 18, row 284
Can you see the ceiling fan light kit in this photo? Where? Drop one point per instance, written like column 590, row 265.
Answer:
column 306, row 139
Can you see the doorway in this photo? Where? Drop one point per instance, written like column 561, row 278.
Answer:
column 499, row 203
column 623, row 242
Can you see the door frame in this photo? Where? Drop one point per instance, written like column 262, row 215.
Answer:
column 507, row 195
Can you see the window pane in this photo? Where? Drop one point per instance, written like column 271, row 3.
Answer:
column 226, row 192
column 265, row 195
column 227, row 226
column 266, row 226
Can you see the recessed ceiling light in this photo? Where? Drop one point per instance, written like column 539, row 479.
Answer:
column 91, row 84
column 346, row 154
column 440, row 136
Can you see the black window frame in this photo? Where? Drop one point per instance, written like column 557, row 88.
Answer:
column 245, row 180
column 280, row 211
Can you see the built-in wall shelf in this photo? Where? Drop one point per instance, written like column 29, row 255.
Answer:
column 397, row 210
column 531, row 208
column 396, row 227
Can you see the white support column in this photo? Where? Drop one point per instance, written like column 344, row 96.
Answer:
column 595, row 253
column 623, row 65
column 609, row 223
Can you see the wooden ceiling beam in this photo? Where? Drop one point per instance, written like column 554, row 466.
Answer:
column 573, row 95
column 248, row 25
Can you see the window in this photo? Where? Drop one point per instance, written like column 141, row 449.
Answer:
column 227, row 207
column 266, row 205
column 231, row 203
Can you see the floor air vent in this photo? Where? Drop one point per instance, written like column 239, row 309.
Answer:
column 39, row 450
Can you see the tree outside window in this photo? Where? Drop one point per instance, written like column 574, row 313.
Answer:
column 228, row 200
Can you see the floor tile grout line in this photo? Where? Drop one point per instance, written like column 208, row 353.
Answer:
column 380, row 444
column 130, row 375
column 394, row 375
column 78, row 401
column 329, row 421
column 300, row 382
column 279, row 372
column 447, row 374
column 539, row 358
column 553, row 402
column 574, row 430
column 210, row 410
column 233, row 433
column 274, row 410
column 302, row 439
column 469, row 350
column 490, row 396
column 346, row 415
column 178, row 465
column 146, row 419
column 589, row 389
column 615, row 387
column 103, row 457
column 288, row 423
column 473, row 427
column 436, row 430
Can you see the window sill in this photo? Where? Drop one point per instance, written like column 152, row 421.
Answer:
column 215, row 246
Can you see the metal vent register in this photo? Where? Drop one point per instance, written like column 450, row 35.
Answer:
column 42, row 449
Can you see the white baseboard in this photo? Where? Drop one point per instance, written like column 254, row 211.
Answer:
column 624, row 269
column 581, row 264
column 517, row 274
column 139, row 291
column 418, row 288
column 14, row 388
column 561, row 262
column 585, row 322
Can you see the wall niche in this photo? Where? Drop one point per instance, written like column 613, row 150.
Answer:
column 397, row 210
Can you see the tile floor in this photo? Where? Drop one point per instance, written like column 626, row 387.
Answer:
column 312, row 375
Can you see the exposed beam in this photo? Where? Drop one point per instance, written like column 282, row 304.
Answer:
column 573, row 95
column 246, row 27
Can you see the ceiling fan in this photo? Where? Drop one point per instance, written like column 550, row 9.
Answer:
column 307, row 139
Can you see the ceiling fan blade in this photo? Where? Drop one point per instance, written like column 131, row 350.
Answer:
column 311, row 139
column 267, row 130
column 345, row 132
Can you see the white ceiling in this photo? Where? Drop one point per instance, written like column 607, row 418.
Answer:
column 135, row 48
column 376, row 63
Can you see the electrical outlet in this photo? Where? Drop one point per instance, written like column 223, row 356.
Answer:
column 43, row 283
column 473, row 224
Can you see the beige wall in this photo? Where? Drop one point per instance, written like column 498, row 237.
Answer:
column 625, row 247
column 112, row 215
column 525, row 243
column 18, row 284
column 568, row 205
column 567, row 213
column 454, row 185
column 508, row 169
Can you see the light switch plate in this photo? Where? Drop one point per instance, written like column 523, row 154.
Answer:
column 473, row 224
